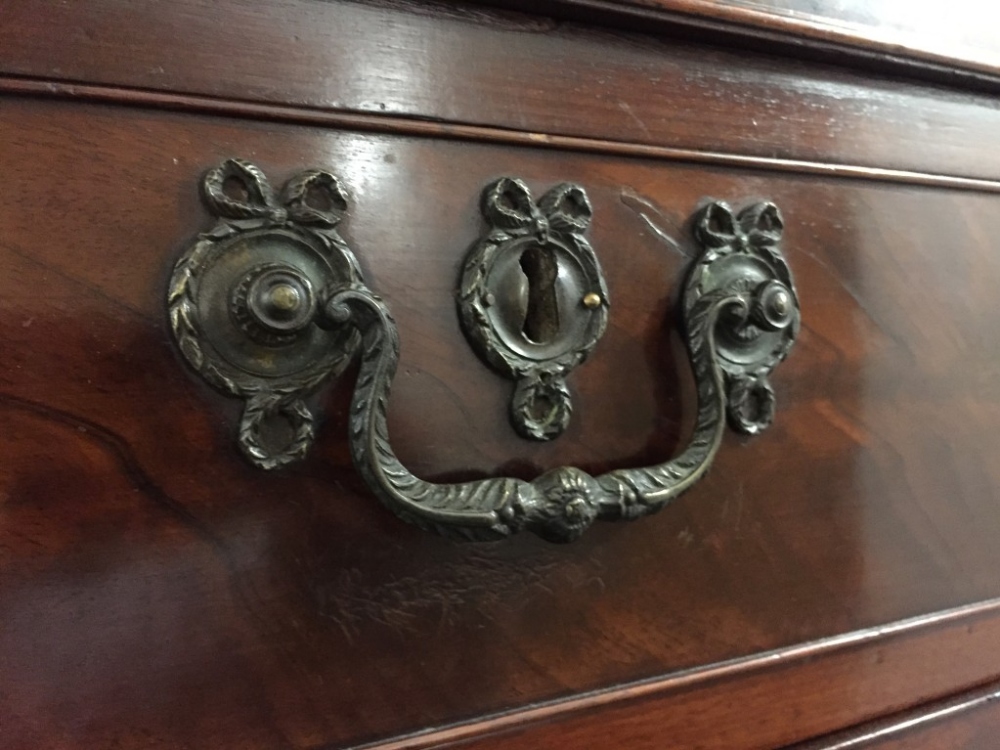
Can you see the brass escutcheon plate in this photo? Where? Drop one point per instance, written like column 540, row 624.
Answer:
column 532, row 298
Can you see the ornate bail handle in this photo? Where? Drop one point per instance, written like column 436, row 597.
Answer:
column 740, row 318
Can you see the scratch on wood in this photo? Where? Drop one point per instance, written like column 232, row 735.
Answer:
column 648, row 211
column 638, row 121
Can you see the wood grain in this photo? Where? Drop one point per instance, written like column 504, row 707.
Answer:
column 155, row 591
column 471, row 65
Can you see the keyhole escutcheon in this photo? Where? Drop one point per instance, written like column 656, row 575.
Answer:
column 541, row 321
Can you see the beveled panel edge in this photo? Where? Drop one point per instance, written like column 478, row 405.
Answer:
column 501, row 69
column 924, row 716
column 930, row 640
column 395, row 125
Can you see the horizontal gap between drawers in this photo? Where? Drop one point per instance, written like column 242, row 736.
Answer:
column 912, row 637
column 396, row 125
column 923, row 717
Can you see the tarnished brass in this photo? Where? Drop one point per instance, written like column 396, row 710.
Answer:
column 243, row 301
column 520, row 294
column 270, row 303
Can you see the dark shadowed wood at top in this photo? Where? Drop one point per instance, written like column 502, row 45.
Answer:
column 156, row 591
column 959, row 35
column 470, row 64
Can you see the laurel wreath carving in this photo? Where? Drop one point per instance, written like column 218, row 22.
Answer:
column 754, row 233
column 258, row 209
column 541, row 405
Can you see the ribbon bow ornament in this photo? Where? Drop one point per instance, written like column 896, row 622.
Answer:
column 314, row 197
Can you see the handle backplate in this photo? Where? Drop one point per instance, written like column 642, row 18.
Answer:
column 244, row 300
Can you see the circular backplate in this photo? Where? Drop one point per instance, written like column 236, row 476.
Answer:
column 240, row 363
column 493, row 311
column 509, row 285
column 742, row 346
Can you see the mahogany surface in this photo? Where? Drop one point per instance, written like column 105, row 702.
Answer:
column 156, row 591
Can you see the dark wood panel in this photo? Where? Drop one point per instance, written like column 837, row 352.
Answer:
column 969, row 721
column 526, row 73
column 155, row 589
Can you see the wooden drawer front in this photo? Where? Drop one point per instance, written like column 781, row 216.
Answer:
column 154, row 588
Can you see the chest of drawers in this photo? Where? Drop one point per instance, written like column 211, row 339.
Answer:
column 833, row 580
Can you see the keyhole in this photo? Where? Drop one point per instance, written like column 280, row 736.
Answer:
column 541, row 323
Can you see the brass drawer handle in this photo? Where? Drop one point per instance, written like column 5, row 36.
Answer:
column 740, row 318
